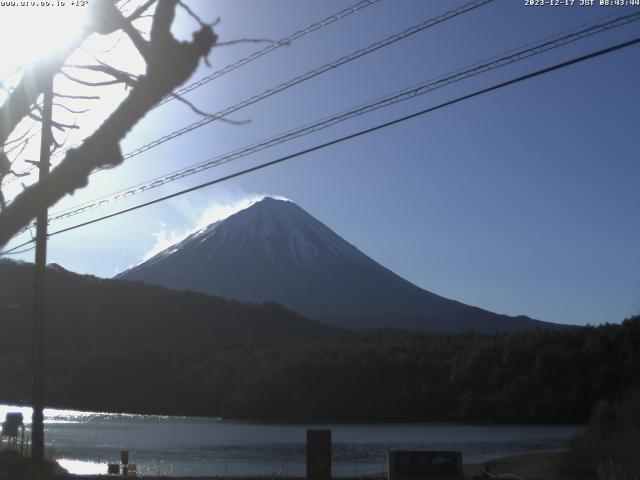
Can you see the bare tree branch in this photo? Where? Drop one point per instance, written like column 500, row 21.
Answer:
column 69, row 109
column 88, row 83
column 115, row 44
column 140, row 10
column 170, row 63
column 106, row 19
column 245, row 40
column 58, row 125
column 196, row 17
column 136, row 37
column 195, row 109
column 76, row 97
column 20, row 147
column 18, row 139
column 119, row 75
column 58, row 145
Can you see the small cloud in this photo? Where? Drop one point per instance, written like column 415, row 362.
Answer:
column 163, row 241
column 214, row 213
column 220, row 211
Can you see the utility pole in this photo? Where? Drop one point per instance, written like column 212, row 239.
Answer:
column 37, row 422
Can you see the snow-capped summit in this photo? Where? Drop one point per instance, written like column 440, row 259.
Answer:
column 275, row 251
column 275, row 229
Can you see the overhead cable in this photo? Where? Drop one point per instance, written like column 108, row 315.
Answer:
column 403, row 95
column 351, row 136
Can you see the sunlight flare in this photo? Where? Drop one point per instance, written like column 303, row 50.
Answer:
column 31, row 33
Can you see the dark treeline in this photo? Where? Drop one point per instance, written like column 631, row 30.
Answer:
column 86, row 313
column 536, row 376
column 612, row 438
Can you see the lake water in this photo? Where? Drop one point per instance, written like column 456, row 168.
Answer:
column 84, row 442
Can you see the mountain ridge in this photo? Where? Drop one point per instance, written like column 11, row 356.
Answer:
column 275, row 251
column 84, row 312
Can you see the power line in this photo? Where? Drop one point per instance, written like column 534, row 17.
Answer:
column 18, row 252
column 14, row 177
column 304, row 77
column 351, row 136
column 286, row 41
column 310, row 74
column 359, row 6
column 406, row 94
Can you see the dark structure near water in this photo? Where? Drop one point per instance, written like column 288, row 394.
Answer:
column 318, row 454
column 427, row 465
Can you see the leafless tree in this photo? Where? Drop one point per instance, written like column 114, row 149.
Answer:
column 168, row 64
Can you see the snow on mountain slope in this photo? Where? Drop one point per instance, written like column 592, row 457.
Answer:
column 275, row 251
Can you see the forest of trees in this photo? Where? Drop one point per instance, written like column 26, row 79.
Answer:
column 87, row 313
column 536, row 376
column 612, row 438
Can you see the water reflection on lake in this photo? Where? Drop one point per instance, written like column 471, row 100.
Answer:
column 84, row 442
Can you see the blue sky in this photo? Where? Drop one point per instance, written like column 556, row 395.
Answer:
column 522, row 201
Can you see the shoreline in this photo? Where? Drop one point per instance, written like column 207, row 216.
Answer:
column 295, row 422
column 532, row 466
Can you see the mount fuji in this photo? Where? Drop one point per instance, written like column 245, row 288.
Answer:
column 275, row 251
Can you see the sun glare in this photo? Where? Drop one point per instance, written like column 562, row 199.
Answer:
column 82, row 467
column 30, row 33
